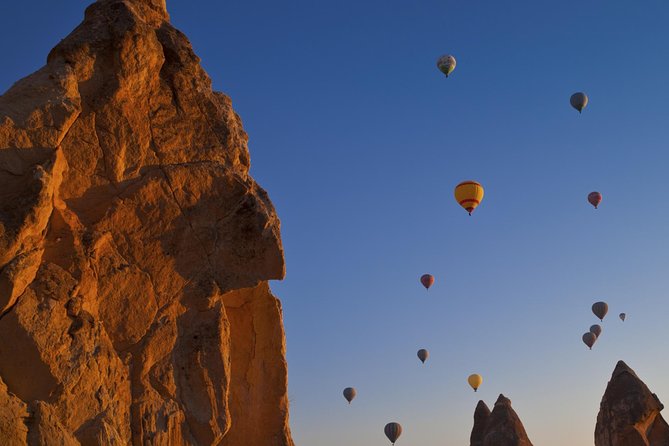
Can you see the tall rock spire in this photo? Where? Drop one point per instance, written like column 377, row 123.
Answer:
column 629, row 414
column 481, row 418
column 135, row 249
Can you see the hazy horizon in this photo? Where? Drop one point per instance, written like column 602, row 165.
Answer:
column 359, row 141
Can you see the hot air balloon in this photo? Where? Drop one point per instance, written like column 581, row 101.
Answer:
column 446, row 64
column 469, row 194
column 423, row 355
column 622, row 316
column 475, row 380
column 589, row 339
column 427, row 280
column 579, row 101
column 595, row 198
column 596, row 329
column 349, row 394
column 393, row 431
column 600, row 309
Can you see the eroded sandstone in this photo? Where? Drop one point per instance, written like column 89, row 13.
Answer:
column 135, row 249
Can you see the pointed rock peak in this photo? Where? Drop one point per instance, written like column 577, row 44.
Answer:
column 622, row 367
column 629, row 412
column 502, row 400
column 153, row 12
column 481, row 408
column 481, row 417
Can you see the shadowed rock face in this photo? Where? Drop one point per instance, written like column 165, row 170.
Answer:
column 501, row 427
column 629, row 414
column 135, row 249
column 481, row 418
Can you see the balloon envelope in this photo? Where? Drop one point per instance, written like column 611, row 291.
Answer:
column 622, row 316
column 423, row 355
column 427, row 280
column 475, row 380
column 579, row 101
column 589, row 339
column 469, row 194
column 596, row 329
column 393, row 431
column 595, row 198
column 446, row 64
column 349, row 394
column 600, row 309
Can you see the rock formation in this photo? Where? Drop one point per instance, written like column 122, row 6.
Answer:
column 629, row 414
column 135, row 250
column 501, row 427
column 481, row 417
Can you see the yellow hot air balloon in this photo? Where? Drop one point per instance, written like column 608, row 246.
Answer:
column 469, row 194
column 475, row 381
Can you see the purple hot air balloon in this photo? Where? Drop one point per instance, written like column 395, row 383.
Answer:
column 427, row 280
column 595, row 198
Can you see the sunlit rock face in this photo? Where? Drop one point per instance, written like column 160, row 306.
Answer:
column 501, row 427
column 135, row 250
column 629, row 414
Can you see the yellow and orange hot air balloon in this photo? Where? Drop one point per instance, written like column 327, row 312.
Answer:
column 469, row 194
column 475, row 380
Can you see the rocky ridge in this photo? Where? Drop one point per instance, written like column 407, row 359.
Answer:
column 135, row 249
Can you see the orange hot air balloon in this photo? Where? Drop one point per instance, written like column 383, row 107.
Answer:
column 469, row 194
column 427, row 280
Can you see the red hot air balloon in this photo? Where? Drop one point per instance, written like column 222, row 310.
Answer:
column 595, row 198
column 427, row 280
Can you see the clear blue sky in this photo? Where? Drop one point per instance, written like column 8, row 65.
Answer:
column 359, row 141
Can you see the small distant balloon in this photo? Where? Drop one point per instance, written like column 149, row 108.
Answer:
column 622, row 316
column 349, row 394
column 475, row 380
column 469, row 194
column 579, row 101
column 427, row 280
column 595, row 198
column 596, row 329
column 589, row 339
column 446, row 64
column 600, row 309
column 423, row 355
column 393, row 431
